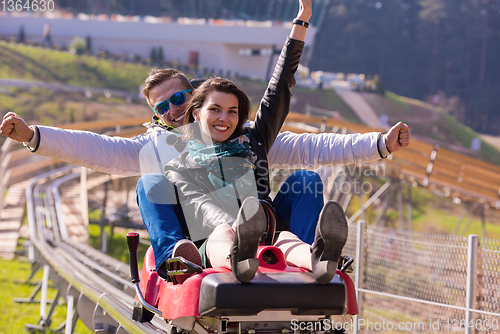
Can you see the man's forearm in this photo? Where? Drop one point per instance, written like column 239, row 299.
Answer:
column 292, row 150
column 113, row 155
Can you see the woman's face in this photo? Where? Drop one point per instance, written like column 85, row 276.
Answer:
column 218, row 116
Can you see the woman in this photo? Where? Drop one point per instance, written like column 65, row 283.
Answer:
column 226, row 171
column 205, row 199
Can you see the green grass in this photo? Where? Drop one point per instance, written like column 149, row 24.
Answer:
column 464, row 135
column 399, row 100
column 323, row 99
column 32, row 63
column 117, row 244
column 13, row 316
column 440, row 221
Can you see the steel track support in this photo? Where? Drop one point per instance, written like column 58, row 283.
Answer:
column 409, row 208
column 400, row 206
column 31, row 297
column 47, row 321
column 369, row 202
column 68, row 325
column 361, row 196
column 380, row 220
column 346, row 197
column 336, row 187
column 45, row 318
column 460, row 219
column 43, row 297
column 469, row 222
column 36, row 289
column 34, row 269
column 103, row 322
column 483, row 220
column 71, row 317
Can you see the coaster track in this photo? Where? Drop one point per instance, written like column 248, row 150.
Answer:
column 92, row 283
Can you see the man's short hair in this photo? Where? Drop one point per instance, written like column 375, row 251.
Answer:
column 158, row 76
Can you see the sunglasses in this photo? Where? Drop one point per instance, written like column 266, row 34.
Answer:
column 161, row 108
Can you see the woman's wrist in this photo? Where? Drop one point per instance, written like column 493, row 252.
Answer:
column 303, row 17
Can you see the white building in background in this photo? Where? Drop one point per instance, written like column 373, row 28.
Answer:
column 217, row 45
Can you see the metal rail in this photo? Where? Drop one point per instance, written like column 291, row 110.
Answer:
column 96, row 287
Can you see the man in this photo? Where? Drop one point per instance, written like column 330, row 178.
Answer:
column 168, row 92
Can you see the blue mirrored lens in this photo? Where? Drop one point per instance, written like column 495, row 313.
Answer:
column 178, row 98
column 162, row 108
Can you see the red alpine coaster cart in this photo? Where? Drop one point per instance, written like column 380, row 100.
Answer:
column 279, row 299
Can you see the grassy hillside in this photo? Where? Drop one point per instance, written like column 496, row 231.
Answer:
column 38, row 64
column 431, row 122
column 46, row 107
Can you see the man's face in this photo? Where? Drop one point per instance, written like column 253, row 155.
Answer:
column 175, row 115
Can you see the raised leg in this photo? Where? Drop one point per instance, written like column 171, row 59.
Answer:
column 297, row 253
column 219, row 245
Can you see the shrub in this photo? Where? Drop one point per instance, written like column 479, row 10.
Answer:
column 160, row 59
column 78, row 46
column 22, row 35
column 379, row 84
column 153, row 55
column 88, row 44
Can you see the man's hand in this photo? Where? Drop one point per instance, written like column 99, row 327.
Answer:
column 14, row 127
column 398, row 137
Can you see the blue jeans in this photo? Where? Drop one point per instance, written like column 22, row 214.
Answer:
column 161, row 214
column 299, row 202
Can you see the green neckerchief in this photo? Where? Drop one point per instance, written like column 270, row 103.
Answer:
column 226, row 162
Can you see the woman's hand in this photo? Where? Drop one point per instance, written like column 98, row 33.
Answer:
column 304, row 14
column 14, row 127
column 398, row 137
column 305, row 10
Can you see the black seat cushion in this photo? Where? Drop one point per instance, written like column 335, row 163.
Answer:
column 221, row 294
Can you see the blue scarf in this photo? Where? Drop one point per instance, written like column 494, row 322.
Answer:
column 226, row 162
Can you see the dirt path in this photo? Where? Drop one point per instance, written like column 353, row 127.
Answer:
column 358, row 104
column 492, row 140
